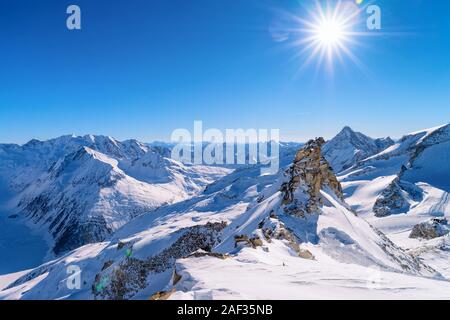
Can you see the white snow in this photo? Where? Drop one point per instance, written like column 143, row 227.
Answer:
column 256, row 274
column 7, row 279
column 352, row 260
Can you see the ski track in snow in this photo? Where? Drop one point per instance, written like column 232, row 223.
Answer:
column 439, row 208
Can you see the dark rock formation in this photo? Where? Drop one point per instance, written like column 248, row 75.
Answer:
column 309, row 174
column 434, row 228
column 395, row 198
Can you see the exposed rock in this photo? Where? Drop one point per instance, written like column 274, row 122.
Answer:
column 396, row 198
column 241, row 239
column 77, row 234
column 309, row 174
column 256, row 242
column 261, row 224
column 383, row 143
column 407, row 262
column 268, row 234
column 107, row 264
column 431, row 229
column 306, row 254
column 274, row 229
column 120, row 245
column 201, row 253
column 391, row 200
column 162, row 295
column 245, row 240
column 175, row 277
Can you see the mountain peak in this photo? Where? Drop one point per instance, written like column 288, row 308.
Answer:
column 347, row 129
column 348, row 147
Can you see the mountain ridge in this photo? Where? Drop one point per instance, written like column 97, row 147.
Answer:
column 349, row 147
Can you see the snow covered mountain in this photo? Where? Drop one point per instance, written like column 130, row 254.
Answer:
column 404, row 187
column 294, row 226
column 20, row 165
column 349, row 147
column 80, row 189
column 379, row 229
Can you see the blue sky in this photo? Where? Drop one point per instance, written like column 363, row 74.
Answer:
column 140, row 69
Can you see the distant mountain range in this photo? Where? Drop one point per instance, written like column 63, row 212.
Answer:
column 81, row 189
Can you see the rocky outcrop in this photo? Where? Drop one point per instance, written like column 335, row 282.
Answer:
column 392, row 200
column 309, row 174
column 202, row 253
column 162, row 295
column 434, row 228
column 124, row 279
column 396, row 198
column 272, row 228
column 246, row 241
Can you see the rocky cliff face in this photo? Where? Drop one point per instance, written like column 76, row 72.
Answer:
column 397, row 198
column 309, row 174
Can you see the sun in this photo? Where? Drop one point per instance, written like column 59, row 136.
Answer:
column 327, row 33
column 330, row 33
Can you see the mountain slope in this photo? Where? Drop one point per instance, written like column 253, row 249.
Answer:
column 85, row 196
column 404, row 186
column 295, row 220
column 80, row 189
column 419, row 157
column 20, row 165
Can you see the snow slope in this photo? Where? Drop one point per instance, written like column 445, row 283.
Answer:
column 419, row 157
column 256, row 274
column 293, row 226
column 403, row 186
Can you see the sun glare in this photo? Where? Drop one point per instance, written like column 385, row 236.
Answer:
column 330, row 32
column 327, row 34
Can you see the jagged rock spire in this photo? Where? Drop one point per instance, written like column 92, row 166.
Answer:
column 309, row 173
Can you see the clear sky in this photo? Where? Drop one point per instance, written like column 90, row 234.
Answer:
column 140, row 69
